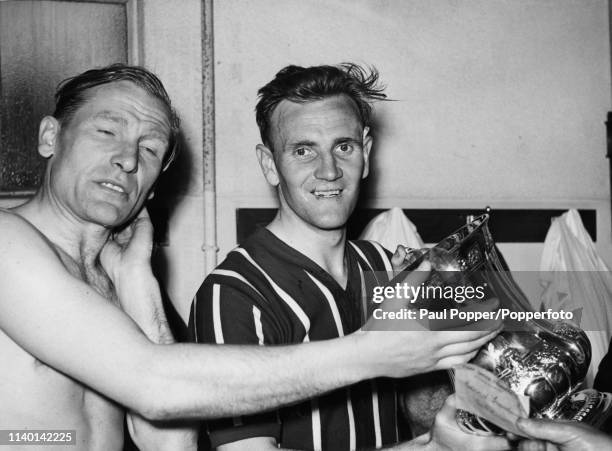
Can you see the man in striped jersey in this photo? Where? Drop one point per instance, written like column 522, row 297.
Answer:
column 83, row 337
column 298, row 279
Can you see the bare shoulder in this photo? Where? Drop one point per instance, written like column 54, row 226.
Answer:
column 28, row 261
column 11, row 222
column 20, row 238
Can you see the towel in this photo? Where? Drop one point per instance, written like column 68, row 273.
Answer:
column 391, row 228
column 574, row 277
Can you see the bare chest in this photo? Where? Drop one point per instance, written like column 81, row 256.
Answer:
column 35, row 396
column 92, row 274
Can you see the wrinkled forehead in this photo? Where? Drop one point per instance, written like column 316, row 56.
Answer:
column 335, row 112
column 128, row 99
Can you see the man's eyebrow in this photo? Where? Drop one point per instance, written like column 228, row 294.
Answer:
column 110, row 116
column 348, row 139
column 302, row 143
column 157, row 134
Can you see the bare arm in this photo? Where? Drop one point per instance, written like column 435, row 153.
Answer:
column 183, row 380
column 158, row 381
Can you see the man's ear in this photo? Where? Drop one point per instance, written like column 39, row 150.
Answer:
column 48, row 134
column 267, row 164
column 367, row 146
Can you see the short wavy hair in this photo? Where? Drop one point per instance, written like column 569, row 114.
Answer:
column 72, row 94
column 304, row 84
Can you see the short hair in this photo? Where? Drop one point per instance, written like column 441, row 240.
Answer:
column 303, row 84
column 71, row 94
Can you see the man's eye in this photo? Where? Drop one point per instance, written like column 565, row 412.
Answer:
column 344, row 147
column 105, row 132
column 301, row 151
column 148, row 150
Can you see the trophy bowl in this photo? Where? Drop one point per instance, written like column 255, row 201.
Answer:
column 544, row 360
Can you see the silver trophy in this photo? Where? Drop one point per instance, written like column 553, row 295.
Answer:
column 544, row 360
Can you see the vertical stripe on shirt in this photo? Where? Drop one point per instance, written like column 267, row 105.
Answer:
column 336, row 314
column 376, row 414
column 351, row 419
column 364, row 297
column 216, row 308
column 194, row 302
column 315, row 418
column 356, row 417
column 258, row 326
column 332, row 303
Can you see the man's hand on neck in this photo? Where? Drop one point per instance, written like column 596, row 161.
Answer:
column 126, row 258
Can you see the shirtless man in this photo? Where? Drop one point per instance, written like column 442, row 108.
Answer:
column 82, row 332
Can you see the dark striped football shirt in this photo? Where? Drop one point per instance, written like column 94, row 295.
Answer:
column 267, row 293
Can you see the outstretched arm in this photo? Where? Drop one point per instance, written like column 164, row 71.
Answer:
column 182, row 380
column 75, row 330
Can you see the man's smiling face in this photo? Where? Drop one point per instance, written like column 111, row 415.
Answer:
column 319, row 155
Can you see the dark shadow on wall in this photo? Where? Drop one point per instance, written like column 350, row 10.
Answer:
column 171, row 186
column 368, row 185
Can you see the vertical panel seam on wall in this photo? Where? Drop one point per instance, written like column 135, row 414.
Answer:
column 208, row 131
column 608, row 149
column 135, row 32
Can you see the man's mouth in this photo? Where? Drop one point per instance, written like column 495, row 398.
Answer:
column 114, row 187
column 322, row 194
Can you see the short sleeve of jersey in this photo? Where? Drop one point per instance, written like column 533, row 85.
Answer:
column 229, row 311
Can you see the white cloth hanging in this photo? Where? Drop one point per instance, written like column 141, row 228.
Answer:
column 391, row 228
column 575, row 277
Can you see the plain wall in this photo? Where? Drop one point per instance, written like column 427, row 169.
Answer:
column 495, row 99
column 172, row 44
column 496, row 102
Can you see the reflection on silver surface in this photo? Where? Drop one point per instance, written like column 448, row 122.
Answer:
column 544, row 360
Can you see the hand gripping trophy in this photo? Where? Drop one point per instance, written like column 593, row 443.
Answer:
column 544, row 360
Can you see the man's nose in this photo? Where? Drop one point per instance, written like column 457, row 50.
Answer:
column 328, row 168
column 126, row 158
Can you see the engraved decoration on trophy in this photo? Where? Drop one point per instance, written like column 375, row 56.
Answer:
column 546, row 361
